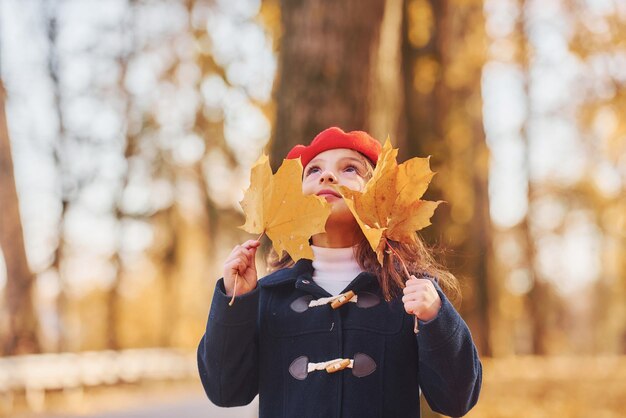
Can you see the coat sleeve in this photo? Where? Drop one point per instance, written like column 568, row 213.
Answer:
column 449, row 368
column 228, row 351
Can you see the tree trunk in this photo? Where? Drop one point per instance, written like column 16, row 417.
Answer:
column 21, row 335
column 326, row 63
column 537, row 300
column 332, row 72
column 62, row 341
column 442, row 65
column 170, row 262
column 422, row 62
column 387, row 95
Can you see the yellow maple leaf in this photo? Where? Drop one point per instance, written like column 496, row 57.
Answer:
column 389, row 206
column 276, row 206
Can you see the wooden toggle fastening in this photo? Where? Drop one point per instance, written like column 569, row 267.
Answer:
column 362, row 365
column 343, row 299
column 339, row 365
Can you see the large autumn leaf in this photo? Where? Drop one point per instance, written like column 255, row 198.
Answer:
column 389, row 206
column 275, row 205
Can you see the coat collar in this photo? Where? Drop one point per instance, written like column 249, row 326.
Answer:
column 303, row 267
column 301, row 274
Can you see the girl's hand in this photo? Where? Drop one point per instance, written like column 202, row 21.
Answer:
column 241, row 261
column 421, row 298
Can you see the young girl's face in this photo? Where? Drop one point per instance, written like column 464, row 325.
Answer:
column 336, row 167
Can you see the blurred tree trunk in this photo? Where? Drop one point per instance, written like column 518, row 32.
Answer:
column 326, row 64
column 21, row 335
column 329, row 69
column 130, row 149
column 422, row 64
column 387, row 95
column 537, row 299
column 443, row 55
column 171, row 260
column 62, row 343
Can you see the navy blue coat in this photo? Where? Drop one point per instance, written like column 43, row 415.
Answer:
column 263, row 343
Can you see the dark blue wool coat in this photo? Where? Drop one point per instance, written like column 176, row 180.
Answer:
column 263, row 342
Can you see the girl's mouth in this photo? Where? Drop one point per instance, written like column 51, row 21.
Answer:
column 329, row 194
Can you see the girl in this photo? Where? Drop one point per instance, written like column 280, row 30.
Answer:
column 334, row 337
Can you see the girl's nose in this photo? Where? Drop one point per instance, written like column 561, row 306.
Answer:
column 328, row 177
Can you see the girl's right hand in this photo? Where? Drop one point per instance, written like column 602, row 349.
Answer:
column 241, row 260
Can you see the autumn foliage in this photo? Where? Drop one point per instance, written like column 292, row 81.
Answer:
column 275, row 205
column 390, row 206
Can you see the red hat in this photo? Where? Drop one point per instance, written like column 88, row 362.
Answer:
column 333, row 138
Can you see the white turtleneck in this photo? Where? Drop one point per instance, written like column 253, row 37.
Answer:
column 334, row 268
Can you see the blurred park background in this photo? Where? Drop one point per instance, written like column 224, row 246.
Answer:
column 128, row 129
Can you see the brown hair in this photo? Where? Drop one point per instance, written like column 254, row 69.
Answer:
column 418, row 258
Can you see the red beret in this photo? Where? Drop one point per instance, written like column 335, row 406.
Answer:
column 333, row 138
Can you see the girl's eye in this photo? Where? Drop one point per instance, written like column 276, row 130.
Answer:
column 351, row 169
column 312, row 170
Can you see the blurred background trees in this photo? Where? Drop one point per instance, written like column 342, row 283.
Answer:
column 133, row 126
column 128, row 128
column 20, row 332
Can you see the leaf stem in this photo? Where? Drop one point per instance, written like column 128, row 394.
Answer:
column 406, row 271
column 408, row 275
column 232, row 300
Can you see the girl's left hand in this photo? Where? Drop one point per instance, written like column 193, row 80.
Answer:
column 421, row 298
